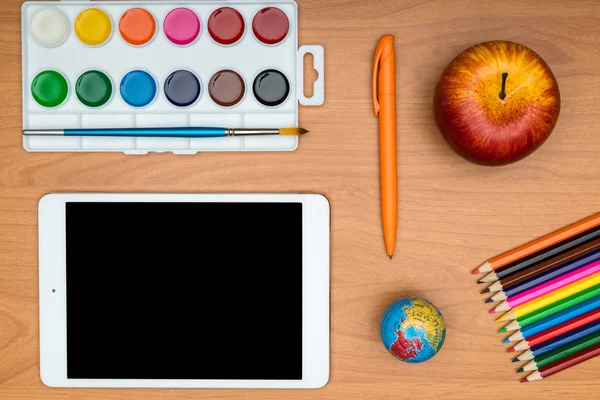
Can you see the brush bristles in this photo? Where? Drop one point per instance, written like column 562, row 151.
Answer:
column 292, row 131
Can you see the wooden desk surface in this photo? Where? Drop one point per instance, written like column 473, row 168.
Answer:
column 453, row 214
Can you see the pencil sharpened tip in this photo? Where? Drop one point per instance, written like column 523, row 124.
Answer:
column 492, row 311
column 524, row 380
column 516, row 359
column 506, row 340
column 489, row 301
column 511, row 350
column 502, row 330
column 484, row 291
column 475, row 272
column 520, row 370
column 302, row 131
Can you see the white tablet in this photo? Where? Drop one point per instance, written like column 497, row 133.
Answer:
column 184, row 290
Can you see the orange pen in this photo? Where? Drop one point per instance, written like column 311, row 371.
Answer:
column 384, row 102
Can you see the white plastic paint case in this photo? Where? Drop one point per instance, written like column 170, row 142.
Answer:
column 160, row 57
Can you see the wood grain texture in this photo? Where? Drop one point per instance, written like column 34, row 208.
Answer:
column 453, row 214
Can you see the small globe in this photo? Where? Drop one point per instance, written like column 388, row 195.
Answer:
column 412, row 329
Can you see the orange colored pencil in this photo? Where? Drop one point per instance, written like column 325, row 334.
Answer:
column 539, row 244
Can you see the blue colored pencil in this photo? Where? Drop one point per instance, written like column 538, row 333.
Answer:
column 555, row 319
column 562, row 269
column 562, row 340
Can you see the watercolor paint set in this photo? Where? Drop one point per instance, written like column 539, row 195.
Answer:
column 146, row 64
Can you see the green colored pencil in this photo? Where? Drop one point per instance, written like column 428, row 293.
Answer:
column 561, row 353
column 552, row 309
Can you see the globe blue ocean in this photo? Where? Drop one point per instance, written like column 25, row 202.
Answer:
column 413, row 330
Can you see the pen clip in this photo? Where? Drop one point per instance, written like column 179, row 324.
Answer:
column 376, row 59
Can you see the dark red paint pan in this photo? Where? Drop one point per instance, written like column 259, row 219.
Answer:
column 226, row 26
column 271, row 25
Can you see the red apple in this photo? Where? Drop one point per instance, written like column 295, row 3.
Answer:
column 496, row 102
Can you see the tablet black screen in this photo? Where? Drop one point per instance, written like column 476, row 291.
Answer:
column 184, row 290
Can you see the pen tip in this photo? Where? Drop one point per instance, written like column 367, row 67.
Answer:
column 391, row 255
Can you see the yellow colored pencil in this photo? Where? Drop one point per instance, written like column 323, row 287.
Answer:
column 552, row 297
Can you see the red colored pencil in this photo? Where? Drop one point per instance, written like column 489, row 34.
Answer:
column 563, row 364
column 553, row 332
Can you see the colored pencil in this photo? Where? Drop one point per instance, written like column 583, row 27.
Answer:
column 546, row 270
column 554, row 332
column 539, row 244
column 551, row 285
column 550, row 298
column 541, row 255
column 559, row 354
column 588, row 298
column 563, row 364
column 557, row 343
column 552, row 320
column 551, row 333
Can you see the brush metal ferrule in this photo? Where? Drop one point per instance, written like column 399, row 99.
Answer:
column 251, row 132
column 43, row 132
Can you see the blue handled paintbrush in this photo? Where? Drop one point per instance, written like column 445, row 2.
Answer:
column 185, row 132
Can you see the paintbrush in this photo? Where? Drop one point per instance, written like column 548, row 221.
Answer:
column 185, row 132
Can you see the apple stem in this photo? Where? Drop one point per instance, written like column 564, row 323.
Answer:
column 503, row 91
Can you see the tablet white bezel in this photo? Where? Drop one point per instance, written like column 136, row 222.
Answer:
column 315, row 291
